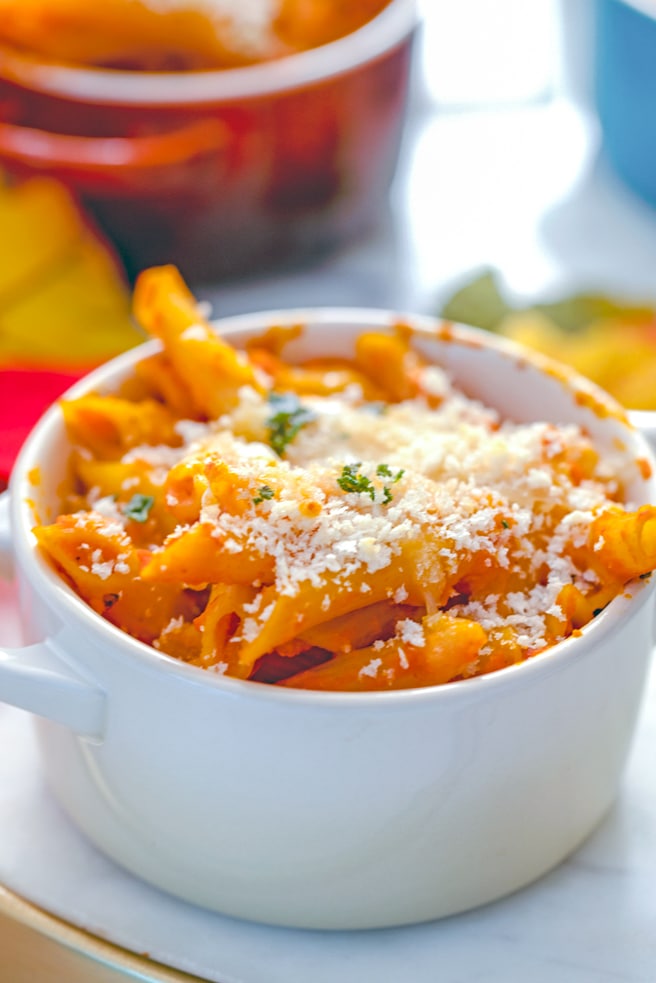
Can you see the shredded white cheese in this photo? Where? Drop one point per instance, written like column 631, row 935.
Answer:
column 457, row 483
column 371, row 669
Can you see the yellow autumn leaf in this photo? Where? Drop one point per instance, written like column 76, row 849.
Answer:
column 63, row 298
column 39, row 225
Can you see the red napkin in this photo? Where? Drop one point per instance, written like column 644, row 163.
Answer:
column 25, row 394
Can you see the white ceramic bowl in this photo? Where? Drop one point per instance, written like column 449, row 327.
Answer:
column 331, row 810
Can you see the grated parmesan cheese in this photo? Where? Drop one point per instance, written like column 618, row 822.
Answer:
column 466, row 484
column 410, row 632
column 371, row 669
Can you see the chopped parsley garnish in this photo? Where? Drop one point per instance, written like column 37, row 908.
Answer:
column 505, row 524
column 384, row 471
column 351, row 480
column 288, row 418
column 138, row 508
column 263, row 494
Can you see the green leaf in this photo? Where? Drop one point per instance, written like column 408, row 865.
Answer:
column 575, row 313
column 478, row 302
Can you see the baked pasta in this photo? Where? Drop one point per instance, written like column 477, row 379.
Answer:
column 341, row 524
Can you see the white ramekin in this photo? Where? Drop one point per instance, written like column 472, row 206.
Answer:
column 330, row 810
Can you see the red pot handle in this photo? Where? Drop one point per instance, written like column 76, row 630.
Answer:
column 109, row 159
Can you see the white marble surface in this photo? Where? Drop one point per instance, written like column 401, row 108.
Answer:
column 591, row 920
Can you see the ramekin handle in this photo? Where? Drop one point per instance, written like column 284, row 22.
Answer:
column 35, row 678
column 6, row 556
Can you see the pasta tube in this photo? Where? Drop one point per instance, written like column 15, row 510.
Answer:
column 212, row 370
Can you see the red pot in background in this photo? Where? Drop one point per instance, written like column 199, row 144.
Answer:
column 220, row 172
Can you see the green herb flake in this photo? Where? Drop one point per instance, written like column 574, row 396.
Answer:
column 351, row 480
column 263, row 495
column 384, row 471
column 288, row 418
column 506, row 525
column 138, row 508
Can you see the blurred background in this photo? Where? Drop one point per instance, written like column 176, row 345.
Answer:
column 522, row 201
column 502, row 166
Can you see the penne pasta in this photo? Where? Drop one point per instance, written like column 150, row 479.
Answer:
column 209, row 368
column 109, row 426
column 102, row 564
column 622, row 545
column 197, row 556
column 435, row 652
column 355, row 525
